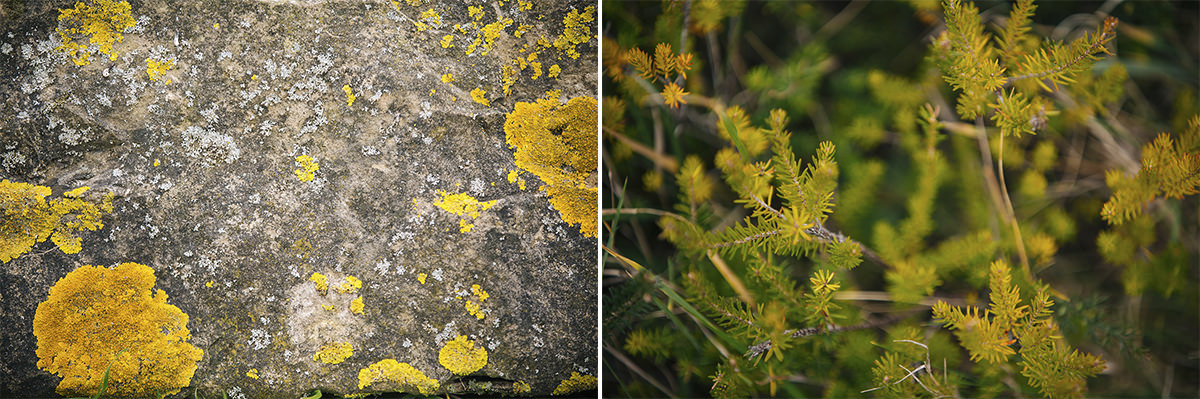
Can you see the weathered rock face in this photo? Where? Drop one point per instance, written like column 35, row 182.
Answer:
column 211, row 194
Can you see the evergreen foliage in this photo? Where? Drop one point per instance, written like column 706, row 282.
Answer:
column 794, row 209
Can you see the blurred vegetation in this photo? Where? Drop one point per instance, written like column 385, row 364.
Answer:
column 847, row 199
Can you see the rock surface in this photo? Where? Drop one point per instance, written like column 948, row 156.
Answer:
column 205, row 170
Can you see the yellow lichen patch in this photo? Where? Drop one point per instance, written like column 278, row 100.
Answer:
column 351, row 285
column 349, row 95
column 478, row 95
column 96, row 22
column 327, row 307
column 447, row 78
column 474, row 307
column 537, row 70
column 524, row 5
column 479, row 292
column 217, row 25
column 158, row 68
column 462, row 204
column 461, row 357
column 554, row 71
column 446, row 41
column 321, row 282
column 521, row 387
column 557, row 143
column 421, row 277
column 576, row 383
column 253, row 373
column 512, row 176
column 464, row 226
column 575, row 31
column 29, row 219
column 334, row 353
column 391, row 371
column 209, row 284
column 156, row 162
column 357, row 306
column 96, row 316
column 521, row 30
column 475, row 12
column 488, row 35
column 308, row 168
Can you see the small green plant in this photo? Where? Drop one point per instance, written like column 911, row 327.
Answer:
column 942, row 239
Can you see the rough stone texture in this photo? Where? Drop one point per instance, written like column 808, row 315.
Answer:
column 223, row 207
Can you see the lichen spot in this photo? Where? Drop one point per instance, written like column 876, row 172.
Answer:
column 446, row 41
column 357, row 306
column 351, row 285
column 478, row 95
column 464, row 226
column 521, row 387
column 447, row 78
column 577, row 382
column 462, row 204
column 209, row 284
column 461, row 357
column 421, row 277
column 334, row 352
column 308, row 168
column 253, row 373
column 93, row 22
column 157, row 69
column 321, row 282
column 349, row 95
column 403, row 374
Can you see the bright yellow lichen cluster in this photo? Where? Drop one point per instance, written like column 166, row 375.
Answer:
column 102, row 21
column 447, row 78
column 351, row 285
column 462, row 204
column 252, row 373
column 421, row 278
column 93, row 314
column 446, row 41
column 575, row 31
column 558, row 144
column 478, row 95
column 577, row 382
column 321, row 282
column 334, row 352
column 349, row 95
column 521, row 387
column 474, row 307
column 27, row 219
column 308, row 168
column 461, row 357
column 357, row 306
column 391, row 371
column 429, row 19
column 157, row 69
column 488, row 34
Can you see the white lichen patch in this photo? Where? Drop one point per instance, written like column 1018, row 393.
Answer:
column 210, row 147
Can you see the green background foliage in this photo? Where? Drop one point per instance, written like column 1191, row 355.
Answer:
column 822, row 213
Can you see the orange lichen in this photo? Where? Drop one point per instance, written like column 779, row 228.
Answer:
column 101, row 21
column 391, row 371
column 557, row 143
column 27, row 219
column 334, row 352
column 576, row 383
column 461, row 357
column 157, row 69
column 96, row 317
column 554, row 71
column 575, row 31
column 478, row 95
column 308, row 168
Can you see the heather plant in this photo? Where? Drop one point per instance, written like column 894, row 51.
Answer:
column 800, row 203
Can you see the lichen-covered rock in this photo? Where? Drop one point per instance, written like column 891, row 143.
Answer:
column 253, row 146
